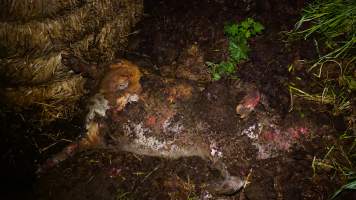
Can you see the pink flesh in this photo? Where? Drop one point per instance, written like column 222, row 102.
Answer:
column 251, row 100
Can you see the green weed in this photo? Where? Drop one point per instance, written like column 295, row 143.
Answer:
column 349, row 186
column 238, row 35
column 331, row 24
column 122, row 195
column 341, row 159
column 336, row 93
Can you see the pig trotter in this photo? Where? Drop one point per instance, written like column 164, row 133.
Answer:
column 67, row 152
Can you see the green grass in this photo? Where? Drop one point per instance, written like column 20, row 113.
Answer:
column 238, row 35
column 333, row 22
column 341, row 158
column 331, row 92
column 331, row 25
column 349, row 186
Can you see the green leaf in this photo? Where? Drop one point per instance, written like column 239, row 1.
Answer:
column 258, row 28
column 210, row 64
column 350, row 186
column 231, row 30
column 228, row 67
column 238, row 52
column 245, row 24
column 216, row 77
column 351, row 82
column 247, row 34
column 237, row 35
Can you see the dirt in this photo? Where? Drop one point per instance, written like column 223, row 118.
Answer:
column 174, row 41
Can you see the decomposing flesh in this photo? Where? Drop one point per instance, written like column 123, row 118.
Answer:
column 151, row 115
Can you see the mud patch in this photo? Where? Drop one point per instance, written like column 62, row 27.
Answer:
column 126, row 176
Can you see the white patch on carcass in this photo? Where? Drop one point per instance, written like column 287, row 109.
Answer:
column 253, row 131
column 264, row 151
column 165, row 124
column 141, row 139
column 145, row 144
column 98, row 106
column 133, row 98
column 123, row 85
column 206, row 195
column 214, row 150
column 169, row 127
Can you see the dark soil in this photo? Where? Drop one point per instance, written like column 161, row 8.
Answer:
column 168, row 31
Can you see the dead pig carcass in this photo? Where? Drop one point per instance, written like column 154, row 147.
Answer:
column 172, row 118
column 149, row 115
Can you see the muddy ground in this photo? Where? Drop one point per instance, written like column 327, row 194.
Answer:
column 174, row 40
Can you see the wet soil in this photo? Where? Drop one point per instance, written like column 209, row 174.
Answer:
column 167, row 35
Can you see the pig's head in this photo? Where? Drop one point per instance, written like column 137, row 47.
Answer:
column 121, row 84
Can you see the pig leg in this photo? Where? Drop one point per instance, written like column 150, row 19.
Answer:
column 92, row 139
column 229, row 185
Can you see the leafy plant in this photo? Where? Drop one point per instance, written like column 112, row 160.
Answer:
column 238, row 35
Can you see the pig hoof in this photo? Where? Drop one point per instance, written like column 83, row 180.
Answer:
column 228, row 186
